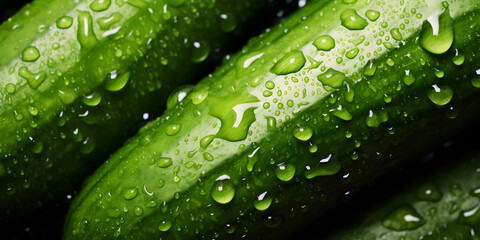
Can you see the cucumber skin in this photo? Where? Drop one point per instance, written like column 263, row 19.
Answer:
column 417, row 125
column 453, row 171
column 66, row 133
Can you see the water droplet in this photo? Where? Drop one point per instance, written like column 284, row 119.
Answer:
column 476, row 82
column 236, row 113
column 370, row 69
column 130, row 194
column 85, row 35
column 10, row 88
column 262, row 202
column 292, row 62
column 428, row 191
column 200, row 52
column 325, row 167
column 37, row 147
column 396, row 34
column 440, row 95
column 92, row 100
column 437, row 33
column 332, row 78
column 403, row 218
column 164, row 162
column 205, row 141
column 33, row 79
column 199, row 97
column 324, row 43
column 302, row 133
column 178, row 95
column 228, row 22
column 64, row 22
column 271, row 124
column 223, row 190
column 138, row 211
column 165, row 225
column 458, row 59
column 100, row 5
column 342, row 113
column 374, row 119
column 207, row 156
column 285, row 172
column 372, row 15
column 352, row 53
column 30, row 54
column 408, row 78
column 106, row 22
column 173, row 129
column 116, row 81
column 352, row 21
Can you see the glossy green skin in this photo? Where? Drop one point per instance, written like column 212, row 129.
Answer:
column 137, row 193
column 452, row 214
column 52, row 133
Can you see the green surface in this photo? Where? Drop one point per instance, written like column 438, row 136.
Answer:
column 269, row 141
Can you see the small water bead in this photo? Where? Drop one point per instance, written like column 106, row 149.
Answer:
column 200, row 52
column 458, row 59
column 302, row 133
column 428, row 191
column 228, row 22
column 100, row 5
column 332, row 78
column 438, row 73
column 374, row 119
column 208, row 157
column 106, row 22
column 165, row 225
column 351, row 54
column 370, row 69
column 130, row 194
column 178, row 95
column 205, row 141
column 164, row 162
column 138, row 211
column 199, row 96
column 292, row 62
column 263, row 202
column 403, row 218
column 324, row 43
column 271, row 124
column 30, row 54
column 372, row 15
column 10, row 88
column 352, row 21
column 173, row 129
column 223, row 190
column 285, row 172
column 270, row 85
column 476, row 82
column 440, row 95
column 64, row 22
column 92, row 100
column 408, row 78
column 116, row 81
column 327, row 166
column 396, row 34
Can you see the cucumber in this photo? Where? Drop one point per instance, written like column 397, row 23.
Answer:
column 304, row 115
column 79, row 77
column 440, row 200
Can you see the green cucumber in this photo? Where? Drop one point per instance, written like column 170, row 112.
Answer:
column 440, row 200
column 309, row 111
column 79, row 77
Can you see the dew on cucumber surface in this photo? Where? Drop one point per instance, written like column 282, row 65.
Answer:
column 352, row 21
column 85, row 35
column 100, row 5
column 290, row 63
column 64, row 22
column 33, row 79
column 30, row 54
column 92, row 99
column 105, row 23
column 223, row 190
column 324, row 43
column 200, row 52
column 263, row 201
column 403, row 217
column 437, row 33
column 440, row 95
